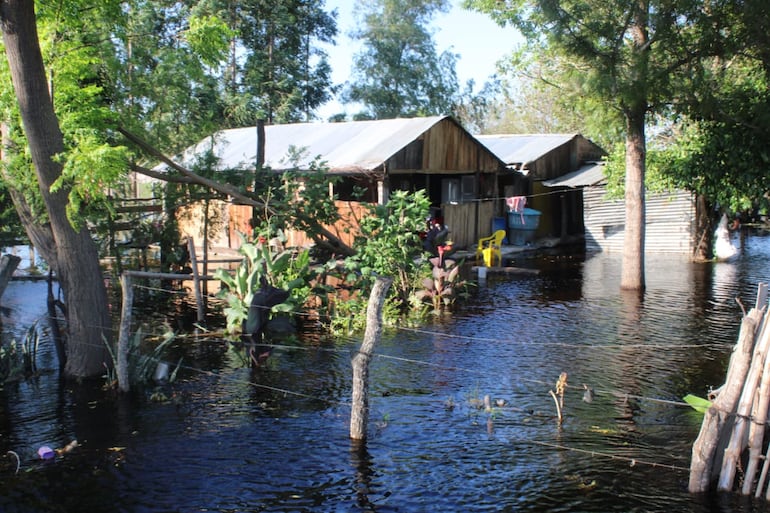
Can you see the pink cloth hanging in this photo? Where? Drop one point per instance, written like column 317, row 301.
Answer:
column 516, row 204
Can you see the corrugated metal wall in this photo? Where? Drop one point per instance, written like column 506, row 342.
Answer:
column 669, row 227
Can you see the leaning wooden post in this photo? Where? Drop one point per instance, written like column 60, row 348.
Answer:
column 757, row 430
column 8, row 264
column 196, row 280
column 359, row 415
column 745, row 406
column 705, row 457
column 125, row 332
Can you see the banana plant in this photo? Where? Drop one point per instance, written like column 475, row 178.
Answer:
column 286, row 269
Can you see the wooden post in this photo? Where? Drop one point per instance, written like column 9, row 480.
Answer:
column 717, row 420
column 359, row 415
column 757, row 430
column 196, row 280
column 737, row 440
column 125, row 332
column 8, row 264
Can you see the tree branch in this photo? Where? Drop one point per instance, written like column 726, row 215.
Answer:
column 319, row 234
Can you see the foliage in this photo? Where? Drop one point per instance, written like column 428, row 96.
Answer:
column 698, row 404
column 444, row 285
column 657, row 177
column 161, row 70
column 479, row 112
column 544, row 92
column 141, row 364
column 19, row 359
column 282, row 269
column 716, row 149
column 636, row 58
column 398, row 72
column 285, row 77
column 719, row 147
column 11, row 229
column 298, row 198
column 389, row 244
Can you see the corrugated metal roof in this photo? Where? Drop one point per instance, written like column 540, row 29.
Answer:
column 522, row 149
column 355, row 146
column 590, row 174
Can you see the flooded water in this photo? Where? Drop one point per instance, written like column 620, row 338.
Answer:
column 230, row 439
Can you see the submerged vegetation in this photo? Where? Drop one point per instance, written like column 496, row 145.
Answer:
column 335, row 291
column 18, row 360
column 146, row 362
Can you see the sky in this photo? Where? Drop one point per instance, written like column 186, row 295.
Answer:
column 478, row 41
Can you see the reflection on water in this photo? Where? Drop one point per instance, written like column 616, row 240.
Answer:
column 276, row 439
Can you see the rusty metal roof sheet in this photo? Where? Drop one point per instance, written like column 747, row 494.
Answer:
column 349, row 147
column 590, row 174
column 521, row 149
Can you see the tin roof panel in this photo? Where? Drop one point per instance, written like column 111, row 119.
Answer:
column 353, row 146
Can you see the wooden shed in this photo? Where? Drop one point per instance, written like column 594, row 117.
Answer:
column 436, row 154
column 533, row 160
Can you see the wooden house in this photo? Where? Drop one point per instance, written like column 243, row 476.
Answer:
column 436, row 154
column 534, row 162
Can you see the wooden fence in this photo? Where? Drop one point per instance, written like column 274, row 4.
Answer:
column 732, row 436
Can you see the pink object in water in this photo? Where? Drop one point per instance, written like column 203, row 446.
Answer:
column 46, row 453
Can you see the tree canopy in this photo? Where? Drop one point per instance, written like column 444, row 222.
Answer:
column 633, row 57
column 398, row 72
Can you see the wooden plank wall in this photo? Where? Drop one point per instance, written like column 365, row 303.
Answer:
column 350, row 213
column 465, row 226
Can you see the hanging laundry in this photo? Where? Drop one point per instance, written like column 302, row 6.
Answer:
column 516, row 204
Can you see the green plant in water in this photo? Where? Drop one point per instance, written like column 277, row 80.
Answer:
column 389, row 244
column 19, row 359
column 141, row 364
column 698, row 404
column 282, row 269
column 444, row 285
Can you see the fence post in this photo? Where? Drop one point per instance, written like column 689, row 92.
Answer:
column 8, row 264
column 125, row 332
column 359, row 415
column 196, row 281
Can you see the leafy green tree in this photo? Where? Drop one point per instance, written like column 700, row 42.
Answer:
column 277, row 71
column 68, row 116
column 67, row 247
column 399, row 73
column 162, row 71
column 389, row 244
column 542, row 92
column 11, row 229
column 480, row 111
column 632, row 55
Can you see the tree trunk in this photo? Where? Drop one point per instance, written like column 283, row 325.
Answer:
column 704, row 230
column 632, row 276
column 359, row 414
column 76, row 260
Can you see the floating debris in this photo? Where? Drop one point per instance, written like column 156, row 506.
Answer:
column 18, row 460
column 67, row 448
column 46, row 453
